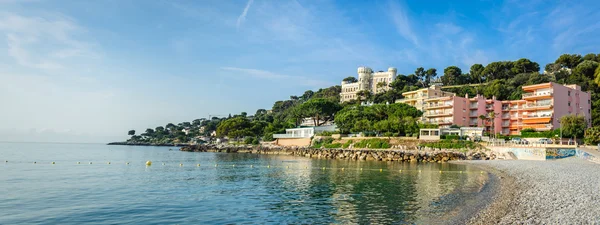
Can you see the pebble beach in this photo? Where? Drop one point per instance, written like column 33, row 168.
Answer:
column 565, row 191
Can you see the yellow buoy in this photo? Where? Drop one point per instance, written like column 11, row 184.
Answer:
column 400, row 171
column 361, row 169
column 198, row 165
column 108, row 163
column 90, row 162
column 53, row 163
column 323, row 168
column 149, row 163
column 342, row 168
column 268, row 166
column 164, row 164
column 251, row 166
column 180, row 164
column 481, row 172
column 287, row 167
column 461, row 171
column 216, row 165
column 33, row 162
column 306, row 167
column 380, row 170
column 440, row 171
column 419, row 171
column 233, row 165
column 6, row 161
column 127, row 163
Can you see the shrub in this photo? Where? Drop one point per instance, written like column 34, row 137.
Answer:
column 255, row 141
column 388, row 134
column 451, row 137
column 347, row 144
column 327, row 133
column 268, row 136
column 323, row 142
column 333, row 145
column 451, row 144
column 592, row 136
column 375, row 143
column 249, row 140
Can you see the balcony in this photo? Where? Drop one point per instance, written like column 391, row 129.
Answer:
column 441, row 122
column 538, row 127
column 538, row 106
column 505, row 108
column 513, row 108
column 473, row 106
column 505, row 116
column 537, row 95
column 505, row 124
column 431, row 106
column 433, row 114
column 489, row 107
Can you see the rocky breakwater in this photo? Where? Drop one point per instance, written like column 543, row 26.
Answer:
column 440, row 155
column 394, row 155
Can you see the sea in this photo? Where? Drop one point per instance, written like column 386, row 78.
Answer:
column 57, row 183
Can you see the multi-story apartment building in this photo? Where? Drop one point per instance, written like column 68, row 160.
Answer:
column 446, row 111
column 418, row 98
column 541, row 107
column 373, row 82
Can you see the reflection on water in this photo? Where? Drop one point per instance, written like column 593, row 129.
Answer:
column 275, row 190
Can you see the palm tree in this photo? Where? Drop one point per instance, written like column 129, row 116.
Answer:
column 491, row 116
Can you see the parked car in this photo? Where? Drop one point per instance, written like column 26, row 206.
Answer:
column 544, row 141
column 518, row 140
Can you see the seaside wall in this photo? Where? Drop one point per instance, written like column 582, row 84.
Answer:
column 300, row 142
column 351, row 154
column 521, row 153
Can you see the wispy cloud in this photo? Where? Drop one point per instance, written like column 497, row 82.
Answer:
column 42, row 42
column 264, row 74
column 403, row 27
column 242, row 16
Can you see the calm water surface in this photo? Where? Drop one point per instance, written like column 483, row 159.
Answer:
column 241, row 189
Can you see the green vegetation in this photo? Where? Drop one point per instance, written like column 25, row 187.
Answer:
column 573, row 126
column 531, row 133
column 592, row 136
column 502, row 79
column 451, row 144
column 325, row 142
column 375, row 143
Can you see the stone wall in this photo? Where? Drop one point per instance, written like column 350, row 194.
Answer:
column 300, row 142
column 356, row 154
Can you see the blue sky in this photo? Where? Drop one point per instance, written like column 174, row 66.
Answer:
column 88, row 71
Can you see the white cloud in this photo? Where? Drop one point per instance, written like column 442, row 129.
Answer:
column 402, row 23
column 242, row 16
column 43, row 43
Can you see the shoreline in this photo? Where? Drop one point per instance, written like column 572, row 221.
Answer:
column 562, row 191
column 145, row 144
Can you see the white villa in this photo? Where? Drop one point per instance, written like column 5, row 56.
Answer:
column 374, row 82
column 304, row 132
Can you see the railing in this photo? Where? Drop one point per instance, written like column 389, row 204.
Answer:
column 439, row 105
column 537, row 105
column 505, row 116
column 290, row 136
column 537, row 116
column 473, row 105
column 505, row 108
column 532, row 94
column 437, row 113
column 440, row 121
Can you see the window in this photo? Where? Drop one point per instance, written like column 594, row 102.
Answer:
column 589, row 102
column 569, row 104
column 569, row 93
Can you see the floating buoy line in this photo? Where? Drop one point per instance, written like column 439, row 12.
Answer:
column 282, row 166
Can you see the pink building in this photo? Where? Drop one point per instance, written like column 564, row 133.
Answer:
column 541, row 107
column 446, row 111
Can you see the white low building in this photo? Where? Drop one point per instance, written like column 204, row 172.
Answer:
column 473, row 133
column 304, row 132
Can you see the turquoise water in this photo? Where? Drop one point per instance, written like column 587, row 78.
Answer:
column 259, row 189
